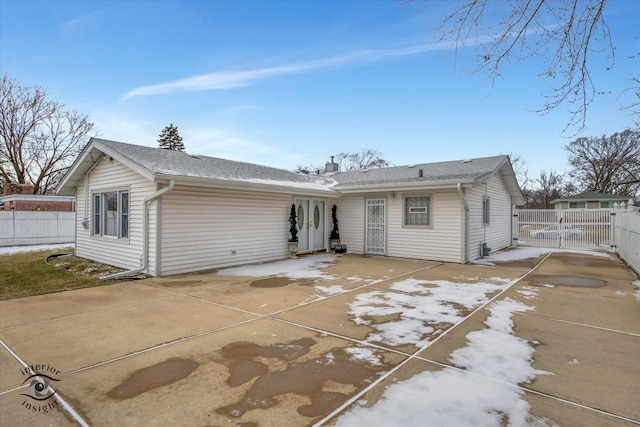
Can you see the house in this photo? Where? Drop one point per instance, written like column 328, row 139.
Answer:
column 165, row 212
column 20, row 197
column 588, row 200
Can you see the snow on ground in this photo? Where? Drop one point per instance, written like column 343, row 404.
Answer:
column 418, row 306
column 521, row 252
column 495, row 360
column 308, row 267
column 7, row 250
column 637, row 283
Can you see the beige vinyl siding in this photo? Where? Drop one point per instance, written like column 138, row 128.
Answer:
column 497, row 234
column 441, row 241
column 211, row 228
column 111, row 175
column 351, row 222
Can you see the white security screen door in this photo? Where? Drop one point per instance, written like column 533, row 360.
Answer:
column 375, row 226
column 302, row 217
column 317, row 224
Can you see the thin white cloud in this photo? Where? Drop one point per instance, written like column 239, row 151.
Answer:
column 221, row 80
column 78, row 24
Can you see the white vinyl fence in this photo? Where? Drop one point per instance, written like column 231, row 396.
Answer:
column 626, row 230
column 615, row 229
column 35, row 228
column 569, row 228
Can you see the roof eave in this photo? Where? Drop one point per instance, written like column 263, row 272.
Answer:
column 87, row 158
column 245, row 185
column 414, row 185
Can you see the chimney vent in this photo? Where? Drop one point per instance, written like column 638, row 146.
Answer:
column 331, row 167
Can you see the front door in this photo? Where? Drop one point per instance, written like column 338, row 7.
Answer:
column 311, row 227
column 317, row 225
column 302, row 217
column 375, row 227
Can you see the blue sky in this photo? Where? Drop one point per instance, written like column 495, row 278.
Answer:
column 284, row 83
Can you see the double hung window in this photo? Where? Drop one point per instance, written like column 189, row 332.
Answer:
column 111, row 214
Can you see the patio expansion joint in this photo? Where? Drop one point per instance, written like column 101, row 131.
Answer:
column 583, row 325
column 63, row 402
column 414, row 356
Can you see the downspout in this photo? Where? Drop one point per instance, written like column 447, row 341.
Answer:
column 465, row 232
column 145, row 234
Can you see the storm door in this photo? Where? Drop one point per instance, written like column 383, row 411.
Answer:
column 375, row 228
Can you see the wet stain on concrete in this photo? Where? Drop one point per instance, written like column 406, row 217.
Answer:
column 244, row 370
column 304, row 378
column 271, row 282
column 158, row 375
column 573, row 281
column 245, row 350
column 523, row 263
column 584, row 262
column 277, row 282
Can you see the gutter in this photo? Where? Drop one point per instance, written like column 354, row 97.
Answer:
column 281, row 187
column 465, row 231
column 398, row 186
column 145, row 234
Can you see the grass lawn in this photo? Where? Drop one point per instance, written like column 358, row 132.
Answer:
column 26, row 274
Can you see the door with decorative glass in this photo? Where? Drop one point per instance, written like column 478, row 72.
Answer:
column 302, row 218
column 317, row 225
column 375, row 226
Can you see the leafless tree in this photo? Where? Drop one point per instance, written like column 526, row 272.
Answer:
column 367, row 158
column 610, row 164
column 39, row 138
column 566, row 33
column 550, row 188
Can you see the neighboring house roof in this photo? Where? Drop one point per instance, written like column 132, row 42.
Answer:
column 590, row 196
column 160, row 165
column 432, row 175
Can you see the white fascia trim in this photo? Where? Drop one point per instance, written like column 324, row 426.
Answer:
column 146, row 173
column 243, row 185
column 436, row 185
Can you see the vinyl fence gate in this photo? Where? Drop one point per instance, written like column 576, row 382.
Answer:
column 569, row 228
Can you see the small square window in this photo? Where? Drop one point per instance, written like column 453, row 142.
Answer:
column 417, row 211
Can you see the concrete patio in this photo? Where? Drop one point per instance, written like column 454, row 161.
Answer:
column 335, row 340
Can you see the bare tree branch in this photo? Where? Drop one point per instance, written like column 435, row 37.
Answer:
column 566, row 32
column 610, row 164
column 39, row 138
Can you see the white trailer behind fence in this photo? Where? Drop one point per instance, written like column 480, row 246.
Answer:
column 36, row 227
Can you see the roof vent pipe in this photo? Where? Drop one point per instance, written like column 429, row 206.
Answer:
column 420, row 173
column 330, row 167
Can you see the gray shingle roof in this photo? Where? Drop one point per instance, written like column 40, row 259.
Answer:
column 159, row 161
column 161, row 164
column 459, row 170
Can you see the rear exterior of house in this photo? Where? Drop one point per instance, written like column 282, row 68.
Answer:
column 196, row 223
column 441, row 217
column 163, row 212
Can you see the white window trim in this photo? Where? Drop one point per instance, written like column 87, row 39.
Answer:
column 430, row 210
column 486, row 211
column 102, row 217
column 578, row 207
